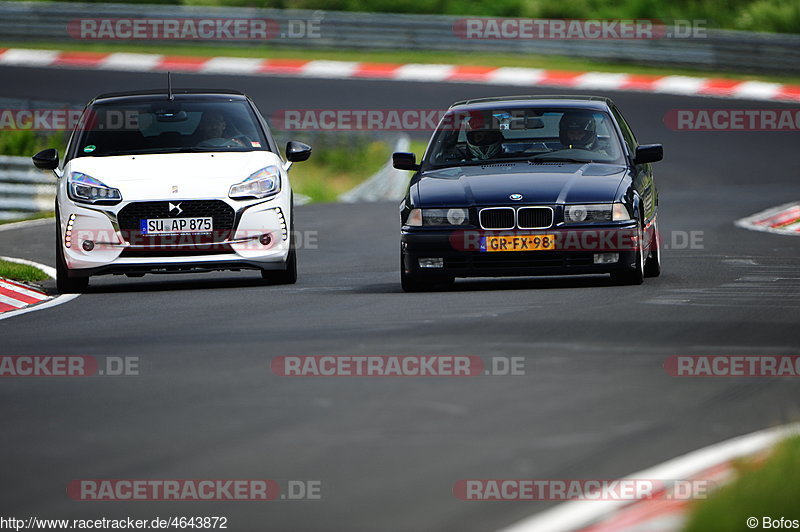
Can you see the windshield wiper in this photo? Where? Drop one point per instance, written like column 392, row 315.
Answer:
column 558, row 160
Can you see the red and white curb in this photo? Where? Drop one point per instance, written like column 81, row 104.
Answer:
column 782, row 220
column 528, row 77
column 16, row 299
column 712, row 463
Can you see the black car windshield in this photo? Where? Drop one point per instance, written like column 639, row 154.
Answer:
column 534, row 134
column 164, row 126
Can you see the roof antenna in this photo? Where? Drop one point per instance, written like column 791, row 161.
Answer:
column 170, row 96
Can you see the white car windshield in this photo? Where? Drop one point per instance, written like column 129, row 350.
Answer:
column 163, row 126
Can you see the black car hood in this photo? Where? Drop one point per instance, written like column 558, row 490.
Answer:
column 538, row 183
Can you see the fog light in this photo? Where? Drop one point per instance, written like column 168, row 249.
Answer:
column 606, row 258
column 434, row 262
column 265, row 240
column 88, row 245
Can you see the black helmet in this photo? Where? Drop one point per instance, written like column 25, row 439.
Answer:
column 577, row 129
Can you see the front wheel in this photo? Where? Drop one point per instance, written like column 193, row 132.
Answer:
column 652, row 266
column 634, row 274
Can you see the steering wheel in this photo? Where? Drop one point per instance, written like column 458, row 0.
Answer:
column 239, row 141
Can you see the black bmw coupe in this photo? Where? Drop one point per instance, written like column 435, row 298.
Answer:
column 530, row 185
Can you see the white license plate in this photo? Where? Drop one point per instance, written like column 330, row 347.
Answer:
column 163, row 226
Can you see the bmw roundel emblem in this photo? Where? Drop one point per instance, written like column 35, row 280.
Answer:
column 515, row 197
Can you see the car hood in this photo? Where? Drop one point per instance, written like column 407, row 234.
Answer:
column 174, row 175
column 538, row 183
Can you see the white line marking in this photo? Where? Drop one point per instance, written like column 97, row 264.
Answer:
column 575, row 515
column 329, row 69
column 231, row 65
column 679, row 84
column 515, row 76
column 423, row 72
column 600, row 80
column 132, row 62
column 8, row 300
column 58, row 300
column 23, row 56
column 757, row 90
column 23, row 291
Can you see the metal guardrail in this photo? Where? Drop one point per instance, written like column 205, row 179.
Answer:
column 719, row 49
column 23, row 189
column 387, row 184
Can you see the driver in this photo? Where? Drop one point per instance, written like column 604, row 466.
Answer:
column 213, row 126
column 484, row 140
column 578, row 130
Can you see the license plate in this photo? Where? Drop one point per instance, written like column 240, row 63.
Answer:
column 163, row 226
column 518, row 243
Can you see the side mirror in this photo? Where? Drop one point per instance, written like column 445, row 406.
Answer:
column 405, row 161
column 46, row 159
column 297, row 151
column 649, row 153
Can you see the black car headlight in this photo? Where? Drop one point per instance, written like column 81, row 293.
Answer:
column 440, row 217
column 86, row 189
column 598, row 212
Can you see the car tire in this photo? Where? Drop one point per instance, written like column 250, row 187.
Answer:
column 64, row 283
column 652, row 266
column 633, row 275
column 289, row 275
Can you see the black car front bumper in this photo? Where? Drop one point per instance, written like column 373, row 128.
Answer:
column 468, row 261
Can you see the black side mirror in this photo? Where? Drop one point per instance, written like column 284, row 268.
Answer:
column 649, row 153
column 46, row 159
column 297, row 151
column 405, row 161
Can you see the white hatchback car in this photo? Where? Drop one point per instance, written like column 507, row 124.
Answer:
column 171, row 182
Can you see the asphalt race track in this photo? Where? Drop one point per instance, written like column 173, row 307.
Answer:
column 595, row 401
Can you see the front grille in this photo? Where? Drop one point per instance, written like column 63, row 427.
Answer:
column 213, row 249
column 497, row 218
column 534, row 217
column 131, row 215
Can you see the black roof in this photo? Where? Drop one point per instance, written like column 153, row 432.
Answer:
column 177, row 93
column 578, row 101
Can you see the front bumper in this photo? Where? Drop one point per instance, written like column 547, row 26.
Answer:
column 574, row 252
column 116, row 251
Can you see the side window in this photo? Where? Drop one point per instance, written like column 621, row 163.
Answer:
column 627, row 134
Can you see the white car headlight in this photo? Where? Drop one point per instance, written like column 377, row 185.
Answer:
column 86, row 189
column 265, row 182
column 620, row 213
column 455, row 216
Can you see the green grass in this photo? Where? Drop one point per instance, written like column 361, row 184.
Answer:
column 334, row 169
column 398, row 56
column 769, row 489
column 37, row 216
column 21, row 272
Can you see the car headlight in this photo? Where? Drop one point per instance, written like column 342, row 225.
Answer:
column 265, row 182
column 86, row 189
column 600, row 212
column 456, row 216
